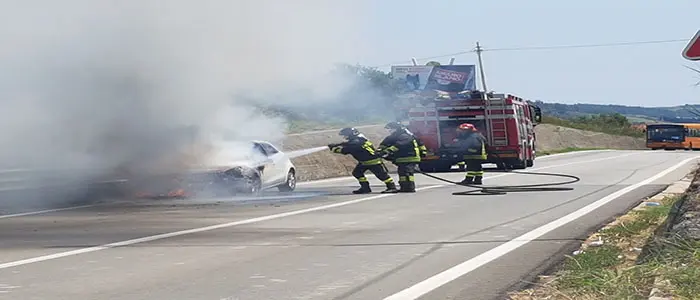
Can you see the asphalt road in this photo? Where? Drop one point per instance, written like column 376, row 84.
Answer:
column 325, row 243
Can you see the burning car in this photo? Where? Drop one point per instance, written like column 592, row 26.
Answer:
column 264, row 167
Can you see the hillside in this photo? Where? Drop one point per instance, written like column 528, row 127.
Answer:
column 634, row 113
column 550, row 137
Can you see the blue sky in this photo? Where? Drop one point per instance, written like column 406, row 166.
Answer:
column 645, row 75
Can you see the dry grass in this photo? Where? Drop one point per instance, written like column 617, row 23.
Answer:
column 608, row 270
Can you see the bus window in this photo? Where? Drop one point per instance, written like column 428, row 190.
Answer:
column 662, row 133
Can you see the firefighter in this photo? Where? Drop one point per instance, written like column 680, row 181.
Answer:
column 473, row 146
column 368, row 158
column 421, row 147
column 405, row 151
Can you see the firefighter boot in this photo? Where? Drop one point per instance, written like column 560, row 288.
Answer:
column 478, row 180
column 467, row 180
column 390, row 188
column 407, row 187
column 411, row 186
column 364, row 188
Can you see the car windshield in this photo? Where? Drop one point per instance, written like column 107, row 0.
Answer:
column 665, row 133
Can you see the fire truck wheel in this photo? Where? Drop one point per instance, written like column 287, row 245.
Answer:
column 518, row 164
column 426, row 167
column 435, row 167
column 530, row 163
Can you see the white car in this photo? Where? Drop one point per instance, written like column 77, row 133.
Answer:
column 262, row 168
column 270, row 167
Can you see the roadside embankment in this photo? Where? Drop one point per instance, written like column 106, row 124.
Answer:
column 651, row 252
column 552, row 138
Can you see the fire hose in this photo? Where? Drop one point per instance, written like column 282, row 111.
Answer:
column 504, row 189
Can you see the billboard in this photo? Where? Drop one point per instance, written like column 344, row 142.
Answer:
column 450, row 78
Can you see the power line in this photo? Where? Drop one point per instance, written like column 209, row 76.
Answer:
column 588, row 45
column 526, row 48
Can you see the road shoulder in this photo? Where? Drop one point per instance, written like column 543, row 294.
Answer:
column 621, row 259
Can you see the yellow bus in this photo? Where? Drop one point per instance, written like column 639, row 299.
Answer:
column 671, row 136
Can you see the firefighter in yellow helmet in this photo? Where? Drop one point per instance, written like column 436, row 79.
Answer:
column 368, row 159
column 473, row 146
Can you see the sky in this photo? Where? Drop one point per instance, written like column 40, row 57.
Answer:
column 641, row 75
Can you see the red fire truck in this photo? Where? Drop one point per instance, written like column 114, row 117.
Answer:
column 505, row 120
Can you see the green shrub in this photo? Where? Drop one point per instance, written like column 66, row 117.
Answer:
column 616, row 124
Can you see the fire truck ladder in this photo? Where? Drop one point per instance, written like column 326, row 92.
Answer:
column 495, row 126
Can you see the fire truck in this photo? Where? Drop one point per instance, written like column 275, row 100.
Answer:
column 507, row 122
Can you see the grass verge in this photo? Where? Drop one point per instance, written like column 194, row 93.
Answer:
column 611, row 264
column 609, row 124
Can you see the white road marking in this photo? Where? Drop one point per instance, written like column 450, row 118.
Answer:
column 249, row 221
column 440, row 279
column 44, row 211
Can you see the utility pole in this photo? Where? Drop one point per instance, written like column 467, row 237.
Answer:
column 481, row 67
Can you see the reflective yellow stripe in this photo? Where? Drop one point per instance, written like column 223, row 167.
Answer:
column 475, row 173
column 372, row 162
column 362, row 179
column 411, row 178
column 392, row 149
column 403, row 178
column 389, row 180
column 369, row 147
column 337, row 149
column 408, row 159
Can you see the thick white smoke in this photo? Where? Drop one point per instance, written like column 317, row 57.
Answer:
column 110, row 84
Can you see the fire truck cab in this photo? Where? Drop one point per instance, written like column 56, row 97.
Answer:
column 505, row 120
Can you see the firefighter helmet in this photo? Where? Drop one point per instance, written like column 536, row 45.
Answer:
column 393, row 126
column 349, row 132
column 466, row 127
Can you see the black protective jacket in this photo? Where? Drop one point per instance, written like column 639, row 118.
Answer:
column 471, row 144
column 402, row 147
column 360, row 148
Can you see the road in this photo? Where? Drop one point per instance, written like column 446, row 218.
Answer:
column 327, row 243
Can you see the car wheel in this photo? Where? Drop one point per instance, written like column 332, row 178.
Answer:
column 291, row 182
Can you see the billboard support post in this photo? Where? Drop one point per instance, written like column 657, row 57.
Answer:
column 481, row 66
